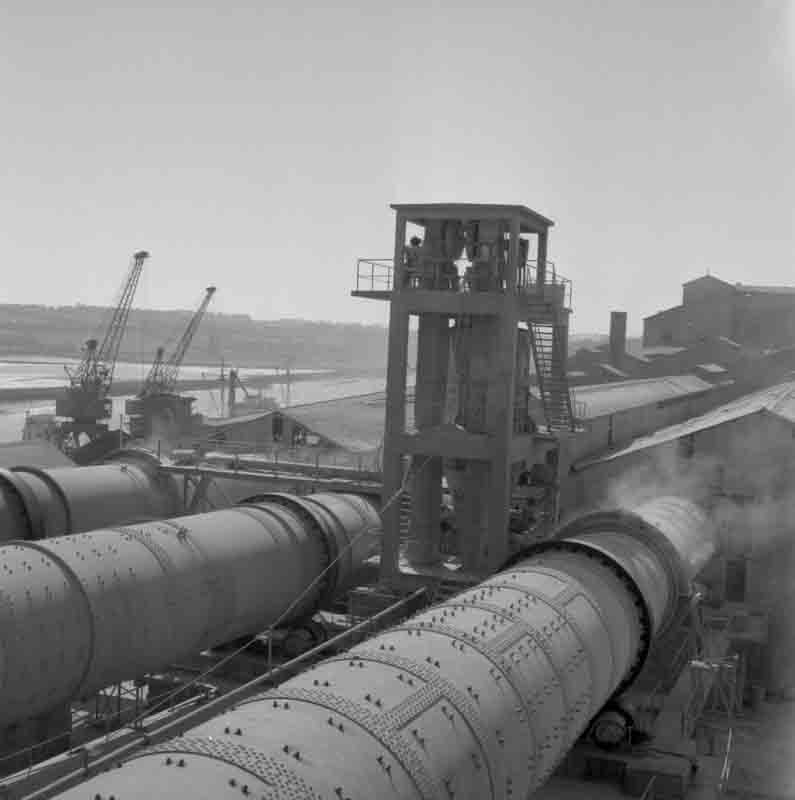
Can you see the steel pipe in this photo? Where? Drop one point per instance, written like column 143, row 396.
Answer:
column 83, row 612
column 41, row 503
column 478, row 697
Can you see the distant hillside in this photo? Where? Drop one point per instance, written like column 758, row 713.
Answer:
column 61, row 331
column 240, row 340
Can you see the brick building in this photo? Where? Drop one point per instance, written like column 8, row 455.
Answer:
column 754, row 316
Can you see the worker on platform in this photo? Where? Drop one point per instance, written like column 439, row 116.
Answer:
column 413, row 257
column 432, row 254
column 521, row 275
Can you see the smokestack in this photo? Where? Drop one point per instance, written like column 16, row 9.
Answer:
column 618, row 338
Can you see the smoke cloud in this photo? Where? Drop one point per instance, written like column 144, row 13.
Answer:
column 741, row 471
column 743, row 474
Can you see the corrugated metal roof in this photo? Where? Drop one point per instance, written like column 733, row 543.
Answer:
column 35, row 453
column 664, row 311
column 355, row 423
column 639, row 351
column 715, row 369
column 613, row 370
column 608, row 398
column 224, row 422
column 778, row 400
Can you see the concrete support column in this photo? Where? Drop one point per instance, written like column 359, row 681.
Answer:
column 542, row 258
column 395, row 420
column 499, row 415
column 471, row 490
column 469, row 479
column 433, row 356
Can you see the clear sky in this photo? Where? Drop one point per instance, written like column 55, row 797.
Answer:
column 258, row 147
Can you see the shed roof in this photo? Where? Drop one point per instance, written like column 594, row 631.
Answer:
column 419, row 213
column 751, row 289
column 664, row 311
column 34, row 453
column 713, row 369
column 354, row 423
column 610, row 369
column 639, row 351
column 608, row 398
column 778, row 401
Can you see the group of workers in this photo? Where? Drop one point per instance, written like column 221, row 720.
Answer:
column 432, row 263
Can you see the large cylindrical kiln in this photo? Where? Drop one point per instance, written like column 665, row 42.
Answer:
column 477, row 698
column 41, row 503
column 83, row 612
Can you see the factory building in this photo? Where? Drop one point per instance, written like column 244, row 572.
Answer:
column 756, row 316
column 739, row 460
column 714, row 358
column 559, row 654
column 765, row 418
column 616, row 413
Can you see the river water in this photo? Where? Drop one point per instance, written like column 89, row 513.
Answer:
column 37, row 372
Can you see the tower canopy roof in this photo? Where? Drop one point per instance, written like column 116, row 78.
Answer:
column 420, row 213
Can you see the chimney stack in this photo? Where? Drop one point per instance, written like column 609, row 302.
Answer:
column 618, row 338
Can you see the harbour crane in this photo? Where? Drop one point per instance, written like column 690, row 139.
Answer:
column 157, row 410
column 86, row 400
column 163, row 374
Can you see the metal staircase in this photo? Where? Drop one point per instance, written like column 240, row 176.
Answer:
column 405, row 515
column 549, row 354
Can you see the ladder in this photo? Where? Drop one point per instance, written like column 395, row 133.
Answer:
column 548, row 344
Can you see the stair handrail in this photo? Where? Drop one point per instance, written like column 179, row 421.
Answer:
column 527, row 280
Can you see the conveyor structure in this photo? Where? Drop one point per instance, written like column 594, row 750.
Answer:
column 41, row 503
column 478, row 697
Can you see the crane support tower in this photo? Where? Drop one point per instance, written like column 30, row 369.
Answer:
column 158, row 406
column 464, row 273
column 86, row 401
column 479, row 697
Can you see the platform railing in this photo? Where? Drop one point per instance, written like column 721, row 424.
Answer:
column 528, row 280
column 377, row 275
column 580, row 407
column 374, row 274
